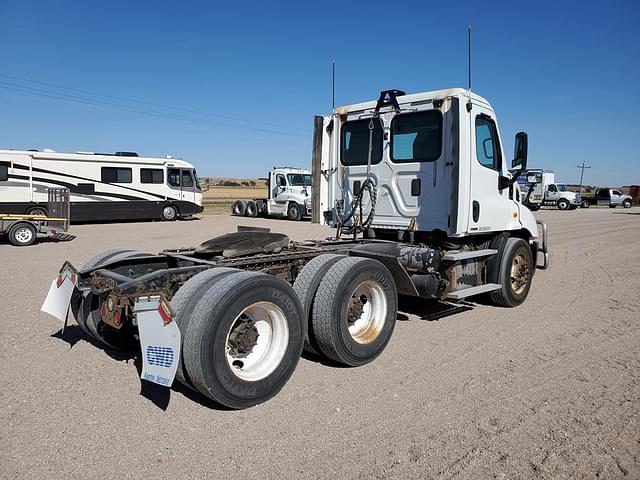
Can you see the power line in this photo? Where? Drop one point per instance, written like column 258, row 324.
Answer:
column 582, row 168
column 137, row 109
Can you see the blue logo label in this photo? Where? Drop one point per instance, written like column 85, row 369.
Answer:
column 160, row 356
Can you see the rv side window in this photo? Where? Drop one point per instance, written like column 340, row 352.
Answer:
column 416, row 137
column 174, row 177
column 487, row 146
column 4, row 172
column 116, row 175
column 355, row 143
column 151, row 175
column 187, row 181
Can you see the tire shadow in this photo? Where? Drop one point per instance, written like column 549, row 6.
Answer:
column 430, row 310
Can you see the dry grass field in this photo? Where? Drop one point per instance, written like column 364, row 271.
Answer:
column 218, row 200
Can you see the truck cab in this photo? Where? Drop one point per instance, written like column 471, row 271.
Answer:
column 559, row 195
column 289, row 193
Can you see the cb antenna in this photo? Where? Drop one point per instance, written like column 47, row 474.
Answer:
column 333, row 85
column 469, row 54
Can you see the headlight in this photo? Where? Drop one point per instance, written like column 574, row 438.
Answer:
column 307, row 202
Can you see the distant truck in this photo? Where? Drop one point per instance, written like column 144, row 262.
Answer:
column 538, row 188
column 289, row 196
column 607, row 197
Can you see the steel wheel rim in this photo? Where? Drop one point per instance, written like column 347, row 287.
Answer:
column 23, row 235
column 519, row 273
column 269, row 348
column 169, row 212
column 367, row 312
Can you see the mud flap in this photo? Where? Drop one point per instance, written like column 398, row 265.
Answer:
column 160, row 342
column 58, row 298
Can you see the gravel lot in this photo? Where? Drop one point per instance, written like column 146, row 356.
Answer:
column 550, row 389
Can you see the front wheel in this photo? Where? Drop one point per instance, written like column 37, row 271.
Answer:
column 563, row 204
column 534, row 208
column 586, row 204
column 626, row 204
column 294, row 212
column 169, row 213
column 515, row 272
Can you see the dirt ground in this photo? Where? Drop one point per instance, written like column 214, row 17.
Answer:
column 550, row 389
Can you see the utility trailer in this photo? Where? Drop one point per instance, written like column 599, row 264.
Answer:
column 23, row 230
column 289, row 195
column 424, row 206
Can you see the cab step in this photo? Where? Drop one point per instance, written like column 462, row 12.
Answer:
column 457, row 255
column 471, row 291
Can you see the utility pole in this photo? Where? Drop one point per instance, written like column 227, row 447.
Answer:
column 582, row 167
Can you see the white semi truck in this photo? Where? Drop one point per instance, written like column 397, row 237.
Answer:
column 538, row 188
column 289, row 195
column 419, row 190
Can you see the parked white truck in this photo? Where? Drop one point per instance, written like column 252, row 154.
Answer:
column 289, row 195
column 419, row 191
column 538, row 188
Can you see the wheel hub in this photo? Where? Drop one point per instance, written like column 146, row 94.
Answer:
column 520, row 273
column 356, row 307
column 243, row 337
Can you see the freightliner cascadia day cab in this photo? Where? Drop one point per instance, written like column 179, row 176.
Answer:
column 419, row 190
column 289, row 195
column 120, row 186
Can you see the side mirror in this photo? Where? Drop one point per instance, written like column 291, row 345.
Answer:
column 520, row 152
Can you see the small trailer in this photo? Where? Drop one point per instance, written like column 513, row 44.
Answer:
column 289, row 195
column 23, row 230
column 424, row 206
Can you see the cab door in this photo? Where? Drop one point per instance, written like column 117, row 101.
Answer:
column 492, row 208
column 181, row 184
column 552, row 193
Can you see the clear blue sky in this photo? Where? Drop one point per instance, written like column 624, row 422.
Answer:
column 251, row 76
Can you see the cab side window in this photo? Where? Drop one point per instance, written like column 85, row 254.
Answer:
column 187, row 181
column 4, row 172
column 487, row 144
column 280, row 180
column 173, row 177
column 552, row 188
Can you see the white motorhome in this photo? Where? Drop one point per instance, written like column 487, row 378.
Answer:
column 118, row 186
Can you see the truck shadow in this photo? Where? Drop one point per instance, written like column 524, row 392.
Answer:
column 430, row 310
column 158, row 395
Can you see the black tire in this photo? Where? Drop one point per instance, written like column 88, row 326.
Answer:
column 534, row 208
column 206, row 341
column 120, row 339
column 80, row 309
column 511, row 295
column 238, row 208
column 37, row 211
column 336, row 294
column 306, row 285
column 169, row 213
column 186, row 299
column 251, row 209
column 612, row 206
column 573, row 207
column 294, row 212
column 626, row 203
column 563, row 204
column 23, row 234
column 586, row 204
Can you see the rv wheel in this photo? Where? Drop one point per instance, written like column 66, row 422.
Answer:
column 22, row 234
column 37, row 211
column 294, row 212
column 169, row 213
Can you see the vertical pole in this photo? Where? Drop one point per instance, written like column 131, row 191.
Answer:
column 469, row 55
column 333, row 86
column 582, row 167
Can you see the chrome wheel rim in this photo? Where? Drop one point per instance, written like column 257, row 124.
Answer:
column 367, row 312
column 24, row 235
column 169, row 213
column 257, row 341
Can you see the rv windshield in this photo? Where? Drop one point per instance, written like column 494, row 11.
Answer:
column 299, row 179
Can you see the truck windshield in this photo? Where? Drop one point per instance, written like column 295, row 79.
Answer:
column 562, row 188
column 299, row 179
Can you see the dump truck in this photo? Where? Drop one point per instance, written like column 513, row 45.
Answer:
column 419, row 192
column 289, row 195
